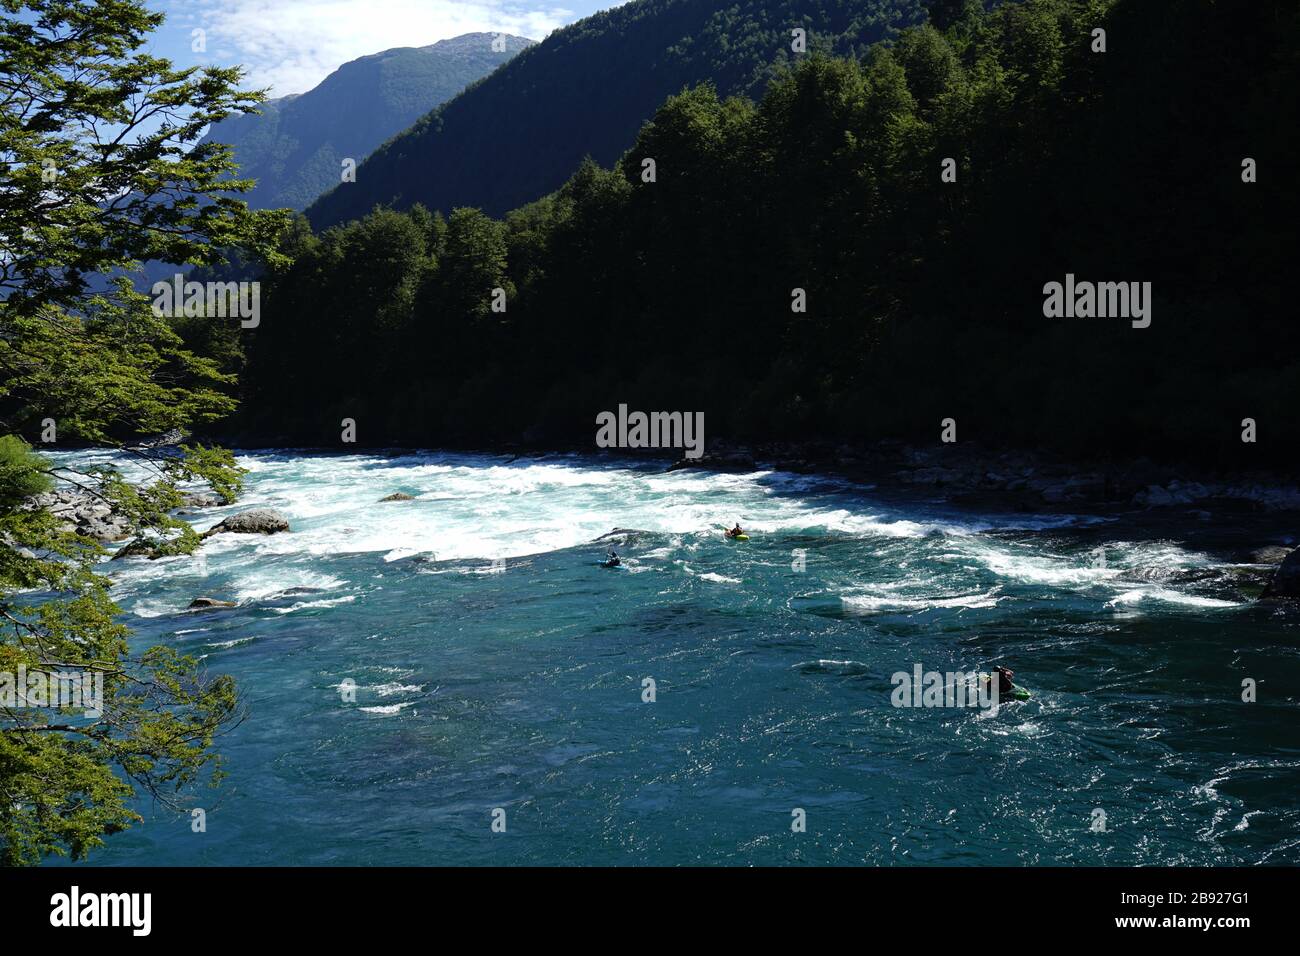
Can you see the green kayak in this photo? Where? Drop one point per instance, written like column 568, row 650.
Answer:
column 1017, row 692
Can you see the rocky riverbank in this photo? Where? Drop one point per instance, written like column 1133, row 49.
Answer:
column 963, row 474
column 1022, row 481
column 85, row 513
column 1015, row 479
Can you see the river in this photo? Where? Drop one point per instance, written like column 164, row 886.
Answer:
column 498, row 667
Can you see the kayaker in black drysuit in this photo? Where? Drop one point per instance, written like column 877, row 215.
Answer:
column 1005, row 686
column 613, row 561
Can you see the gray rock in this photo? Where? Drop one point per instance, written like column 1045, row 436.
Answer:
column 81, row 512
column 106, row 528
column 10, row 542
column 718, row 461
column 1270, row 554
column 167, row 439
column 201, row 499
column 398, row 496
column 91, row 516
column 201, row 603
column 932, row 476
column 257, row 521
column 619, row 533
column 135, row 549
column 1059, row 492
column 1286, row 579
column 1153, row 496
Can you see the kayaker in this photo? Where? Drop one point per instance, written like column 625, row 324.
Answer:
column 613, row 561
column 1005, row 685
column 735, row 532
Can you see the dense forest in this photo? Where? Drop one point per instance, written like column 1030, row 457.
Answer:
column 925, row 298
column 585, row 91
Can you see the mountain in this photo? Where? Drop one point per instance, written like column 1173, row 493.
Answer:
column 802, row 269
column 295, row 147
column 586, row 90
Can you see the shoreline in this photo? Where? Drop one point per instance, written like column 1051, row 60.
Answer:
column 965, row 473
column 1254, row 523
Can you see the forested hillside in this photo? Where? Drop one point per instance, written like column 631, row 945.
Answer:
column 925, row 298
column 295, row 147
column 585, row 91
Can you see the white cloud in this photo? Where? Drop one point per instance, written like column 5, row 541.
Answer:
column 289, row 46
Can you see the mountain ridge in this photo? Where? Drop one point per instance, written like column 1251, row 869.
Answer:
column 295, row 146
column 516, row 135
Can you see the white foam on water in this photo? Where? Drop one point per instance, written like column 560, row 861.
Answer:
column 255, row 584
column 718, row 578
column 151, row 608
column 473, row 508
column 1116, row 565
column 1245, row 820
column 846, row 668
column 1036, row 568
column 386, row 709
column 234, row 643
column 484, row 508
column 657, row 554
column 880, row 602
column 327, row 602
column 1138, row 595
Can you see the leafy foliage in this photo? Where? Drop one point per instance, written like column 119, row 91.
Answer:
column 100, row 171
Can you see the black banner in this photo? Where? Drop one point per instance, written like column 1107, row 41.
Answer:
column 342, row 905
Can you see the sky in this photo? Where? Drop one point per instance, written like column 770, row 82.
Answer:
column 289, row 46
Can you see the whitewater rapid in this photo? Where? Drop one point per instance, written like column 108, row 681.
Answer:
column 469, row 509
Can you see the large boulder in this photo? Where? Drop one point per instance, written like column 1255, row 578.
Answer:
column 1270, row 554
column 136, row 549
column 1153, row 496
column 257, row 521
column 204, row 603
column 164, row 440
column 718, row 461
column 1286, row 579
column 201, row 499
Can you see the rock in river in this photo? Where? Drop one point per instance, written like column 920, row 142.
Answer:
column 258, row 521
column 1286, row 579
column 200, row 603
column 720, row 461
column 83, row 512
